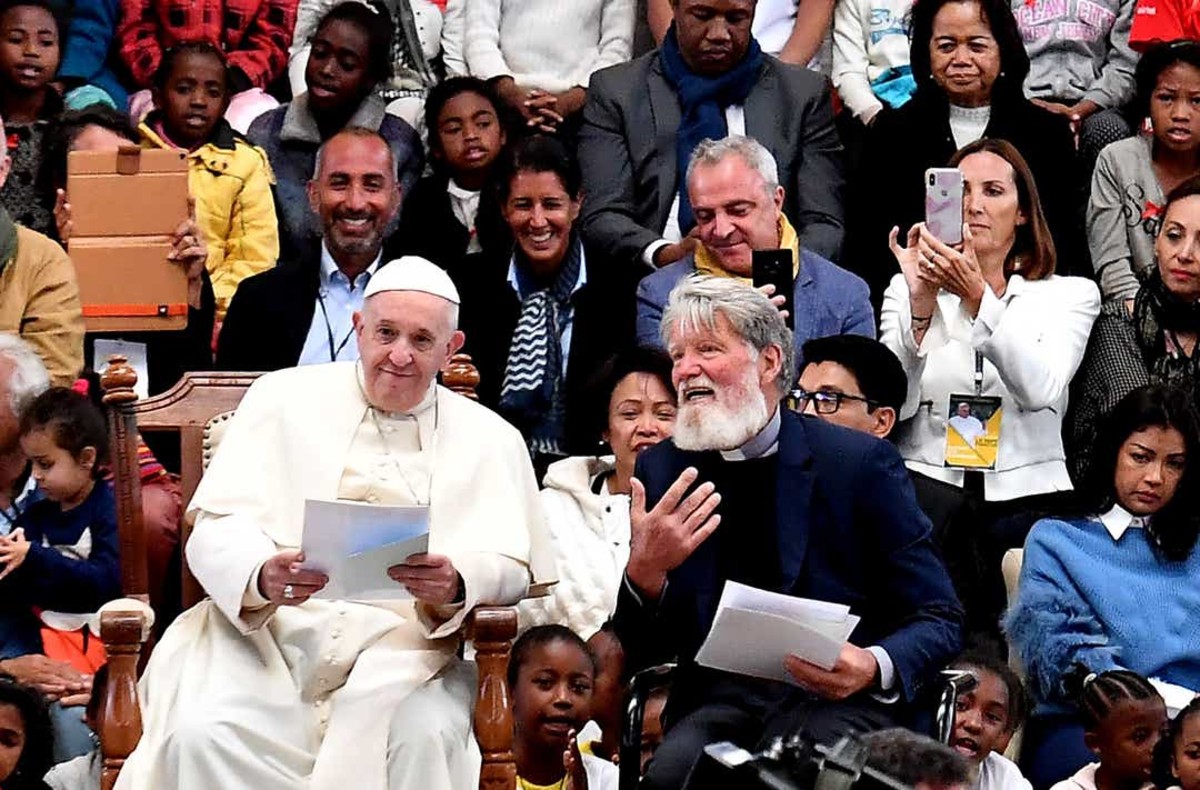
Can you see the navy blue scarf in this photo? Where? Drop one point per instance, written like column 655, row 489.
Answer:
column 703, row 101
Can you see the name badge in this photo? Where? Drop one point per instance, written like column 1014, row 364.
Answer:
column 973, row 431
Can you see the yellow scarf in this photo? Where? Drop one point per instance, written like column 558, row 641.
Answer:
column 708, row 263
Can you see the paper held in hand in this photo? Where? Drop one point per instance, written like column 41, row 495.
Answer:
column 355, row 543
column 755, row 630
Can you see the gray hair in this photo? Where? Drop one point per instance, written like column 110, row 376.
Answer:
column 696, row 300
column 353, row 131
column 712, row 152
column 914, row 759
column 28, row 377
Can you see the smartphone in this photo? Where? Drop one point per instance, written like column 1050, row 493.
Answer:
column 774, row 267
column 943, row 203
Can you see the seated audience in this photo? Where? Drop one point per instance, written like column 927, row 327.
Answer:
column 985, row 719
column 25, row 738
column 1177, row 756
column 229, row 179
column 254, row 34
column 916, row 761
column 1102, row 587
column 1122, row 718
column 30, row 108
column 301, row 312
column 86, row 72
column 350, row 56
column 870, row 56
column 770, row 484
column 795, row 32
column 453, row 212
column 416, row 29
column 1151, row 340
column 242, row 691
column 551, row 674
column 990, row 320
column 541, row 54
column 708, row 80
column 84, row 771
column 537, row 321
column 586, row 498
column 1081, row 67
column 1133, row 176
column 62, row 557
column 169, row 354
column 738, row 201
column 856, row 382
column 39, row 296
column 969, row 63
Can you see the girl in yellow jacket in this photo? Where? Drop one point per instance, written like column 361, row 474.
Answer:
column 229, row 178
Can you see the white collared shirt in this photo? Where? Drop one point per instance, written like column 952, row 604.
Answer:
column 465, row 205
column 567, row 318
column 1118, row 520
column 337, row 302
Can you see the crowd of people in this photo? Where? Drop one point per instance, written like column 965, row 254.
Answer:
column 581, row 196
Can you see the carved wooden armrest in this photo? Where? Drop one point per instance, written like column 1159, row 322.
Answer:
column 123, row 632
column 492, row 630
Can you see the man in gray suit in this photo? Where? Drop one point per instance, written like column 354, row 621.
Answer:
column 709, row 79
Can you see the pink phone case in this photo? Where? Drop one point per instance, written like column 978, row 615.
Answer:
column 943, row 203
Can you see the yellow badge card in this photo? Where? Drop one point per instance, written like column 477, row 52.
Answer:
column 973, row 431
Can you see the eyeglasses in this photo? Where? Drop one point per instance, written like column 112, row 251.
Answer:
column 826, row 402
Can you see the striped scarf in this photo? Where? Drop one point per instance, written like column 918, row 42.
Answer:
column 532, row 395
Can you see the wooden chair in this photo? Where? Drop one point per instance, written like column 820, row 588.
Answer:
column 187, row 409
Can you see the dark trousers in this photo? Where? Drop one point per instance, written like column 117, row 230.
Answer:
column 751, row 715
column 1052, row 749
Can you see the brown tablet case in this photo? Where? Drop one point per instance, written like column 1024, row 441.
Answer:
column 125, row 206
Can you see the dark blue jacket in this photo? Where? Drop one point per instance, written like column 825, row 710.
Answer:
column 849, row 531
column 93, row 24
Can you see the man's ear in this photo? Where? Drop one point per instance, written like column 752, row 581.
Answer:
column 314, row 196
column 778, row 198
column 457, row 338
column 770, row 362
column 885, row 420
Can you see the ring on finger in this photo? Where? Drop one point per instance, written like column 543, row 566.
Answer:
column 289, row 591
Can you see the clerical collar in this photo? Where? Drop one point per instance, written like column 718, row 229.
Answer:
column 427, row 402
column 765, row 443
column 1119, row 520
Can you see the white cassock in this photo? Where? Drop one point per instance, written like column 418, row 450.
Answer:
column 334, row 694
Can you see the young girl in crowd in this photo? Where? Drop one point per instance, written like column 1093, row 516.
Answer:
column 985, row 719
column 452, row 212
column 350, row 55
column 29, row 58
column 1123, row 718
column 551, row 674
column 84, row 772
column 228, row 177
column 63, row 557
column 1177, row 758
column 26, row 741
column 1132, row 176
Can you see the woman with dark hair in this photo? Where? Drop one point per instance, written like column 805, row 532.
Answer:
column 1148, row 339
column 1132, row 176
column 537, row 320
column 990, row 319
column 1113, row 586
column 586, row 498
column 26, row 740
column 350, row 54
column 969, row 63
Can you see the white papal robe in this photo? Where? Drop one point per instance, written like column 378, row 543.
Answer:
column 334, row 694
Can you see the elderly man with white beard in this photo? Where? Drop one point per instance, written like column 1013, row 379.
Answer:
column 751, row 492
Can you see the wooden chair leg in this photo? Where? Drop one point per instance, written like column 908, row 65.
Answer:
column 493, row 630
column 121, row 716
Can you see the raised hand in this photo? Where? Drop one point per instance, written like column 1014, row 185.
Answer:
column 664, row 536
column 573, row 764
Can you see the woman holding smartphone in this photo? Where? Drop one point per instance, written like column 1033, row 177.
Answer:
column 988, row 322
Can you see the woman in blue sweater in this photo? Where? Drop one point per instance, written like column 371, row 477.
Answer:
column 1115, row 588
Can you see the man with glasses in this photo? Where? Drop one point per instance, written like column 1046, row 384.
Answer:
column 858, row 383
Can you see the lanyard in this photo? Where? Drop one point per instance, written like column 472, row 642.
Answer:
column 333, row 352
column 978, row 373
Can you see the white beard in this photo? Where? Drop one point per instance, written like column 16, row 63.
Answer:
column 733, row 417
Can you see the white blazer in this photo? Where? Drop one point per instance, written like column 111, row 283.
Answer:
column 1032, row 340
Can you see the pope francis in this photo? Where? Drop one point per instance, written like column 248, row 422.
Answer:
column 264, row 686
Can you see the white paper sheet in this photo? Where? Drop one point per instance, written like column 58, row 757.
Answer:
column 755, row 630
column 355, row 543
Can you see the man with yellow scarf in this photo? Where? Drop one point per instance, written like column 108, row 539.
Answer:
column 733, row 187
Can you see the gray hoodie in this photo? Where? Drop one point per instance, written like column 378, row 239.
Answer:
column 1078, row 49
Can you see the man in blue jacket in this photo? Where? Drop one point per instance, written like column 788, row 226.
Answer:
column 738, row 203
column 749, row 491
